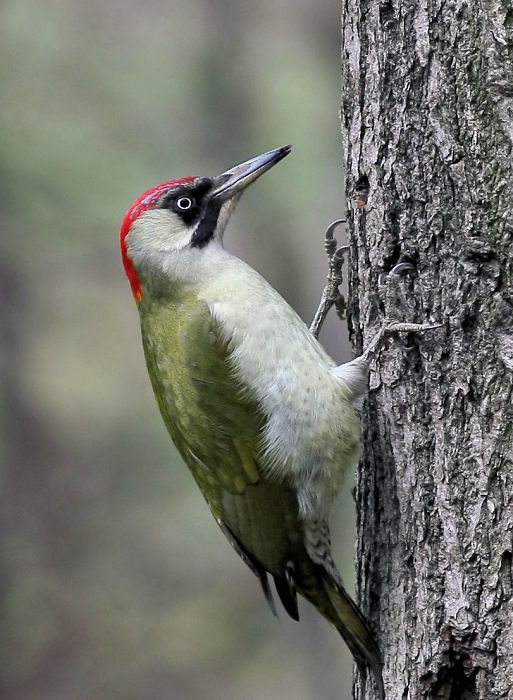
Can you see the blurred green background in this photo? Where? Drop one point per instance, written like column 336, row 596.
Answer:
column 116, row 583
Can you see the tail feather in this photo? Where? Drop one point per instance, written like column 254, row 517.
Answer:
column 330, row 598
column 353, row 627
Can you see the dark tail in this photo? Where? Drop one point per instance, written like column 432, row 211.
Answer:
column 333, row 602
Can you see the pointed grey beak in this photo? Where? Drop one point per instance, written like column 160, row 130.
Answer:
column 236, row 179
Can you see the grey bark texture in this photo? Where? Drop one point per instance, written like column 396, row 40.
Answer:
column 427, row 122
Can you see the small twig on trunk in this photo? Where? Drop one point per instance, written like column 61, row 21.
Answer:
column 331, row 295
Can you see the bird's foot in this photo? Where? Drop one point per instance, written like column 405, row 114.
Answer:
column 390, row 288
column 331, row 295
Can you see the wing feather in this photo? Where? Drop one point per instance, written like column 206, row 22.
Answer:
column 217, row 427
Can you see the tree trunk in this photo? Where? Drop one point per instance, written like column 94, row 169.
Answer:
column 427, row 121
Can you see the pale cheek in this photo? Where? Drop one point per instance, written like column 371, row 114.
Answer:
column 159, row 230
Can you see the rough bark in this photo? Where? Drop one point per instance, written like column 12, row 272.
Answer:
column 427, row 121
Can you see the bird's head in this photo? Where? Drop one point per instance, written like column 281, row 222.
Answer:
column 171, row 224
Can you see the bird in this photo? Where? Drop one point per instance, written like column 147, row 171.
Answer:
column 260, row 413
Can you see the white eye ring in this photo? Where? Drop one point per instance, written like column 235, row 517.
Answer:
column 184, row 203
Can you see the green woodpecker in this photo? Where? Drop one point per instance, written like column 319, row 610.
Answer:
column 260, row 413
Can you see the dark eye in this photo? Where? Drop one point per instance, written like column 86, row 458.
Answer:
column 184, row 203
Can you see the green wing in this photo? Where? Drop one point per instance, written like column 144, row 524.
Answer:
column 216, row 428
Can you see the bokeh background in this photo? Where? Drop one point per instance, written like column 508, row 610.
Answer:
column 116, row 584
